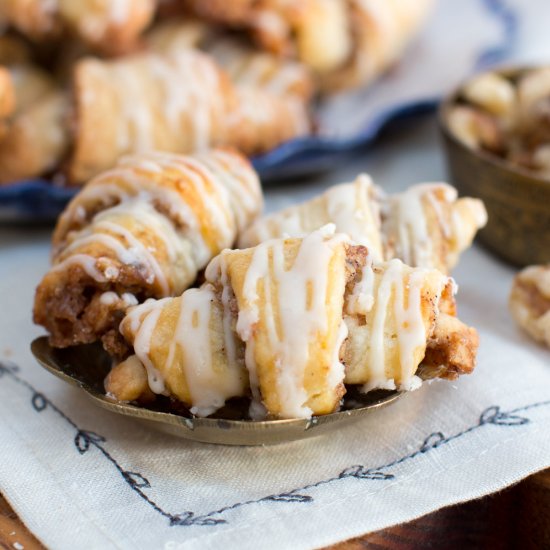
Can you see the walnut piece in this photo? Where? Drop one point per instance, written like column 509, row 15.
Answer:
column 530, row 302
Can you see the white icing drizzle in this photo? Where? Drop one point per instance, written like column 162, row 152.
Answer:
column 301, row 294
column 442, row 219
column 349, row 208
column 411, row 332
column 242, row 185
column 109, row 298
column 181, row 101
column 134, row 252
column 143, row 320
column 250, row 68
column 208, row 388
column 407, row 224
column 409, row 323
column 376, row 357
column 87, row 263
column 227, row 187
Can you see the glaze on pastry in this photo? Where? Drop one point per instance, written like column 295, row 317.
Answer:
column 143, row 229
column 424, row 226
column 290, row 322
column 178, row 101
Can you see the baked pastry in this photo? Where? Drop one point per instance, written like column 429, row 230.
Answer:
column 33, row 134
column 35, row 140
column 346, row 42
column 141, row 230
column 107, row 25
column 428, row 226
column 425, row 226
column 530, row 302
column 291, row 321
column 179, row 101
column 245, row 66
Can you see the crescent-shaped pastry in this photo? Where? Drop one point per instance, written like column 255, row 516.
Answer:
column 178, row 101
column 425, row 226
column 141, row 230
column 346, row 42
column 290, row 322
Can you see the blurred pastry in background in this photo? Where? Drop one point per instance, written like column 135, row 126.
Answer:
column 109, row 26
column 180, row 101
column 347, row 43
column 530, row 302
column 143, row 229
column 93, row 80
column 424, row 226
column 244, row 64
column 33, row 133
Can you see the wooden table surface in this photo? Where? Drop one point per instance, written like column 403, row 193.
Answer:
column 518, row 517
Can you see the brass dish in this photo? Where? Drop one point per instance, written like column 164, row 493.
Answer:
column 517, row 201
column 86, row 367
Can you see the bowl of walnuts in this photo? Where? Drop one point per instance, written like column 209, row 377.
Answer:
column 496, row 133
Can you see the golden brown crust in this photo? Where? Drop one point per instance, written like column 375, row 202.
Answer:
column 451, row 350
column 127, row 381
column 142, row 230
column 262, row 120
column 7, row 93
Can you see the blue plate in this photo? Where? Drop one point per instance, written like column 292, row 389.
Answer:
column 433, row 65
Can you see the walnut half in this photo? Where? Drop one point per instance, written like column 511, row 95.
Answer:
column 530, row 302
